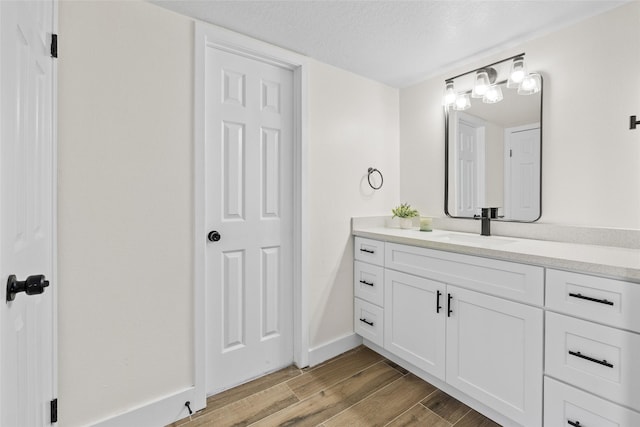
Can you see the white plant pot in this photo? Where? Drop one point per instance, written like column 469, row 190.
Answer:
column 406, row 222
column 393, row 222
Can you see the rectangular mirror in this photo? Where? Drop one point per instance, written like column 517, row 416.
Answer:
column 493, row 155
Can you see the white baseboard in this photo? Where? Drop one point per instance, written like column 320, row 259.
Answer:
column 334, row 348
column 160, row 412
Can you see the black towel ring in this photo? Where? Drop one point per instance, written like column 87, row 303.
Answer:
column 372, row 170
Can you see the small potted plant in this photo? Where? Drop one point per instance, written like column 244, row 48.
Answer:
column 406, row 214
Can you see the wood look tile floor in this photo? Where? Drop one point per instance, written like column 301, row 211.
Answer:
column 357, row 388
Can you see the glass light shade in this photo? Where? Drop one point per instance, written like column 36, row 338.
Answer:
column 492, row 95
column 449, row 96
column 481, row 84
column 463, row 102
column 517, row 73
column 530, row 84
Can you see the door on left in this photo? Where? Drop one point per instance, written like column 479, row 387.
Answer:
column 27, row 156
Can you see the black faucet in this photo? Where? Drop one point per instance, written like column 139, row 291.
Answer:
column 487, row 214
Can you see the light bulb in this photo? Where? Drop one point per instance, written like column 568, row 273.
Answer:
column 517, row 73
column 492, row 95
column 463, row 102
column 530, row 84
column 481, row 85
column 449, row 97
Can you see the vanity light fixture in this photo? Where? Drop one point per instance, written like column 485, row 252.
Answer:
column 485, row 84
column 450, row 95
column 517, row 73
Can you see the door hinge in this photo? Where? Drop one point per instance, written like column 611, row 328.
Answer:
column 54, row 45
column 54, row 411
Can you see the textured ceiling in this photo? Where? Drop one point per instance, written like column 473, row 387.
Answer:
column 395, row 42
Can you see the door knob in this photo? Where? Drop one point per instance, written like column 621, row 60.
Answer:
column 213, row 236
column 34, row 285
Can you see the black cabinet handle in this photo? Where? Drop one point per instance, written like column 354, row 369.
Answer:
column 449, row 311
column 574, row 423
column 367, row 322
column 366, row 283
column 438, row 306
column 590, row 359
column 367, row 251
column 601, row 301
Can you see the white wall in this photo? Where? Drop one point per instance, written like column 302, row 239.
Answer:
column 353, row 125
column 591, row 160
column 125, row 207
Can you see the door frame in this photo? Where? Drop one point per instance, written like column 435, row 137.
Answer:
column 208, row 35
column 53, row 289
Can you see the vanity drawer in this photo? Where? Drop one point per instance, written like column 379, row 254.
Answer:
column 368, row 250
column 368, row 321
column 565, row 406
column 599, row 359
column 518, row 282
column 368, row 282
column 608, row 301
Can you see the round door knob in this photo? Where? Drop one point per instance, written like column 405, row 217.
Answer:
column 213, row 236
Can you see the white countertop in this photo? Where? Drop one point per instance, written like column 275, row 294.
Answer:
column 611, row 261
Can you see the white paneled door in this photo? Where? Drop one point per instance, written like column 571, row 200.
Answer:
column 523, row 173
column 27, row 322
column 249, row 193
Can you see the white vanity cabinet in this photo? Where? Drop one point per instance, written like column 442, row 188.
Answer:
column 470, row 322
column 592, row 344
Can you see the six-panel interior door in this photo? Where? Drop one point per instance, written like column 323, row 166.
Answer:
column 248, row 180
column 523, row 173
column 26, row 226
column 469, row 157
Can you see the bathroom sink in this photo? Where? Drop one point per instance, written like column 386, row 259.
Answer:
column 470, row 239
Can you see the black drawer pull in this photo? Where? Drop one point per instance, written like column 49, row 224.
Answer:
column 590, row 359
column 601, row 301
column 449, row 311
column 438, row 306
column 367, row 322
column 574, row 423
column 367, row 251
column 364, row 282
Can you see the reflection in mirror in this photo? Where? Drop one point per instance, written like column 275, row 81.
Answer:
column 493, row 156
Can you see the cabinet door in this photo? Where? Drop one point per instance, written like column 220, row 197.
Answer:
column 494, row 353
column 414, row 325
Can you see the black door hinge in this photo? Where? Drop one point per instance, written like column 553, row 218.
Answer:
column 54, row 411
column 54, row 45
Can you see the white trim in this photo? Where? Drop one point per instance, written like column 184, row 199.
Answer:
column 207, row 35
column 160, row 412
column 301, row 220
column 199, row 313
column 334, row 348
column 54, row 201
